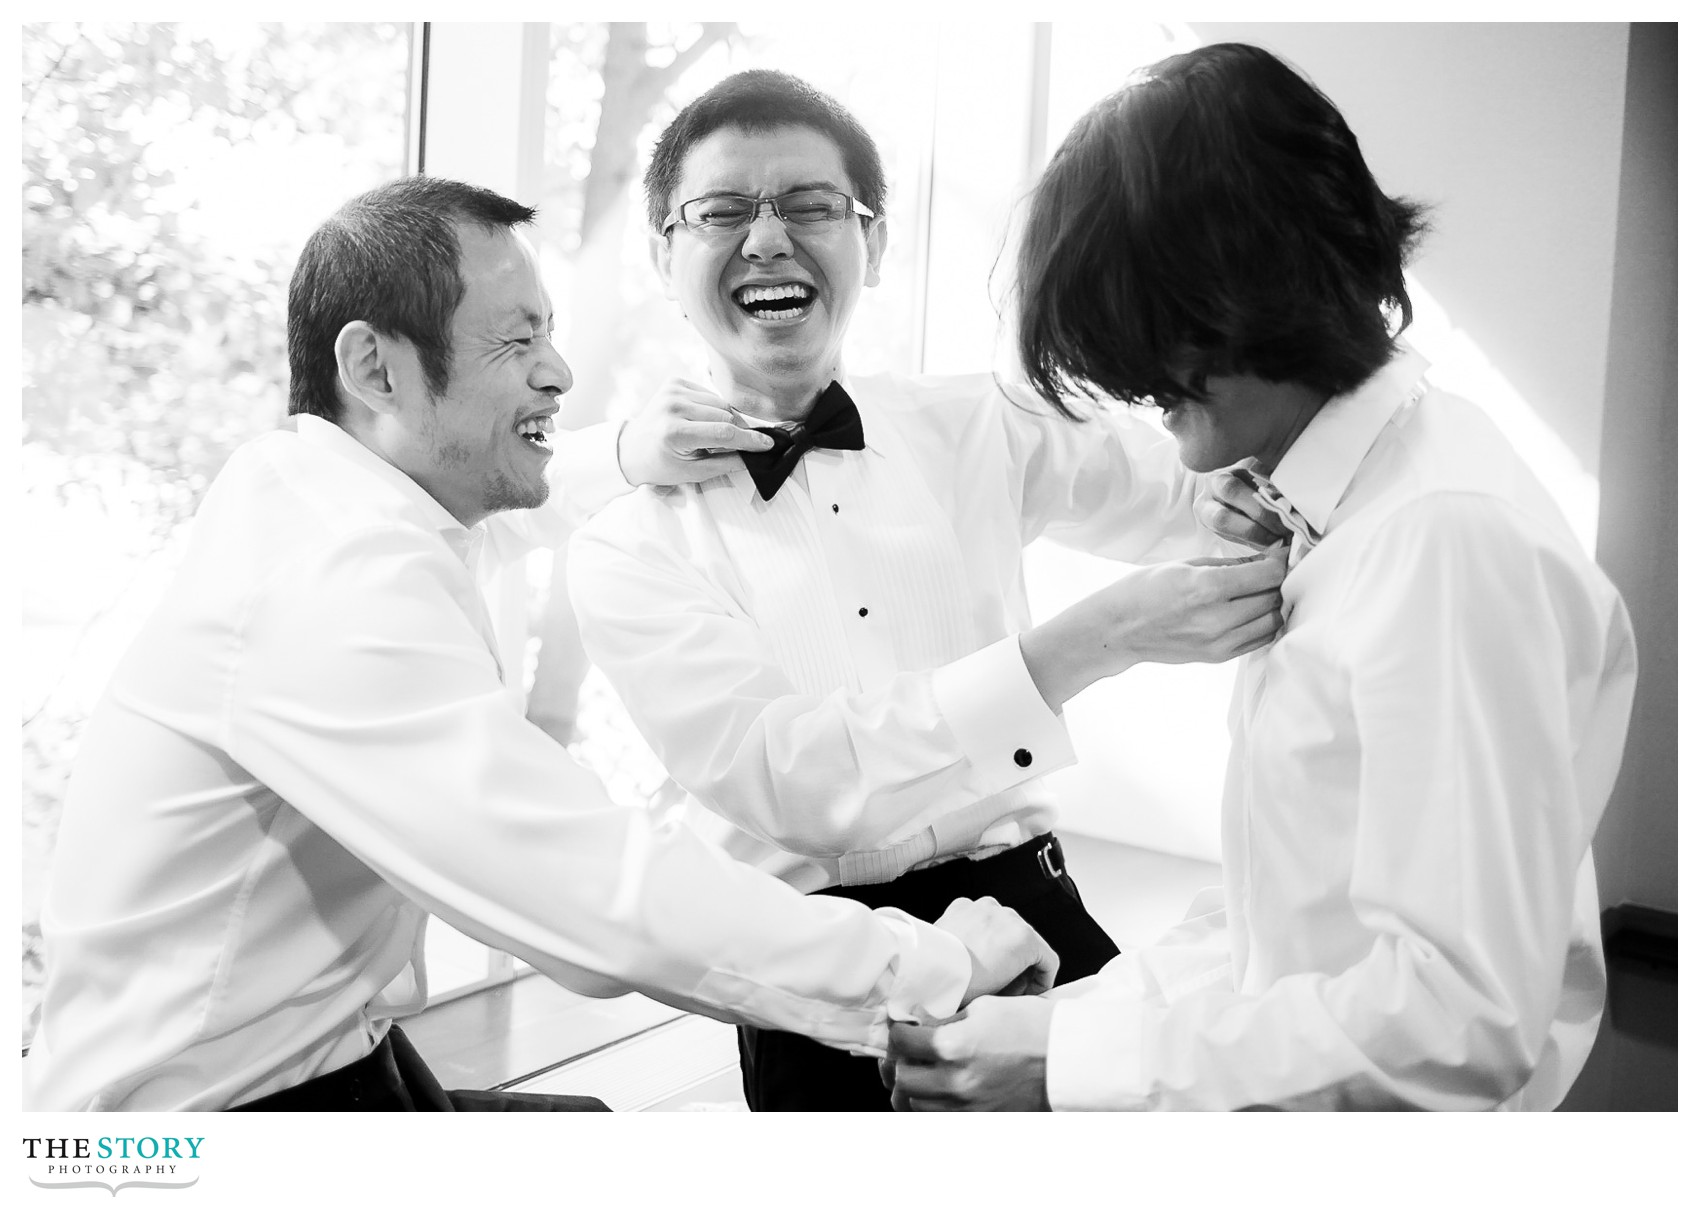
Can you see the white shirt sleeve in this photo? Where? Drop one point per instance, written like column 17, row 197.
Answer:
column 366, row 697
column 1111, row 485
column 584, row 472
column 816, row 775
column 1459, row 635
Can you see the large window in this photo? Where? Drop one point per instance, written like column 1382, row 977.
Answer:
column 170, row 176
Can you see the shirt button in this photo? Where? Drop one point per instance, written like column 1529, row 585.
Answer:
column 835, row 509
column 1023, row 758
column 863, row 612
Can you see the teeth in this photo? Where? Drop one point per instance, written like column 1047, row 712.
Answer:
column 772, row 294
column 537, row 428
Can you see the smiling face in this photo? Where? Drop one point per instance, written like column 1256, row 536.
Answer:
column 773, row 302
column 482, row 445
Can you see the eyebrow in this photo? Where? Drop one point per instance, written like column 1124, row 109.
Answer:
column 527, row 316
column 726, row 192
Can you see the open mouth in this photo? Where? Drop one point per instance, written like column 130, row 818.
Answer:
column 782, row 301
column 536, row 430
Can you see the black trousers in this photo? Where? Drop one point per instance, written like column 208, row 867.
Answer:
column 784, row 1072
column 394, row 1078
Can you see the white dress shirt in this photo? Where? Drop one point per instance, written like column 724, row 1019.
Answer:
column 836, row 670
column 315, row 743
column 1408, row 915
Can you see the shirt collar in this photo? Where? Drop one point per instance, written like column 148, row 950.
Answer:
column 1317, row 468
column 465, row 542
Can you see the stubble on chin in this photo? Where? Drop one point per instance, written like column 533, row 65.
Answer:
column 504, row 492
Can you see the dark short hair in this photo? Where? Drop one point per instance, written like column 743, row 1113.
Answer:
column 1213, row 217
column 390, row 257
column 759, row 101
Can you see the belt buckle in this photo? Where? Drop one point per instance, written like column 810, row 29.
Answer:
column 1048, row 865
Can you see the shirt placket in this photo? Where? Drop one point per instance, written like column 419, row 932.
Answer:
column 842, row 529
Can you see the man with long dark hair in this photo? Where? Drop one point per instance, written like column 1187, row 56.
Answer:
column 1408, row 917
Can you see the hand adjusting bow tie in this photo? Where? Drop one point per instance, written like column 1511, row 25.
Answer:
column 832, row 423
column 1302, row 536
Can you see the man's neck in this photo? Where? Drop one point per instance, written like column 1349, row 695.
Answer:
column 780, row 402
column 468, row 513
column 1300, row 405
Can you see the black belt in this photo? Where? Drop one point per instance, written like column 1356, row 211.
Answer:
column 1008, row 876
column 390, row 1078
column 393, row 1077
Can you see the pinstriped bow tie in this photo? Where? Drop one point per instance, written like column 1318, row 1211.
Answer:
column 833, row 423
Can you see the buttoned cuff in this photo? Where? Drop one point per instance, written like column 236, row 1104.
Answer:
column 1092, row 1060
column 934, row 973
column 586, row 468
column 1000, row 720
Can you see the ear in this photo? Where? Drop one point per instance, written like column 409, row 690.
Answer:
column 876, row 250
column 363, row 367
column 661, row 257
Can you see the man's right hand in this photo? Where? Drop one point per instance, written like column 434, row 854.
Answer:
column 1008, row 956
column 1207, row 609
column 683, row 435
column 1230, row 507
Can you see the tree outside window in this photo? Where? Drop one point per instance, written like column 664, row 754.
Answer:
column 170, row 175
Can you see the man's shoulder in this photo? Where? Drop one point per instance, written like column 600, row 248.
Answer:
column 1451, row 451
column 1445, row 483
column 899, row 394
column 646, row 519
column 287, row 497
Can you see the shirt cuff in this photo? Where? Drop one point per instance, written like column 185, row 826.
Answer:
column 933, row 975
column 999, row 718
column 1092, row 1060
column 586, row 468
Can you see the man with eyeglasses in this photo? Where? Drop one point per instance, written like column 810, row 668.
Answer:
column 830, row 646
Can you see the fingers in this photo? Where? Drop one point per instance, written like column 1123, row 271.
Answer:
column 688, row 437
column 927, row 1088
column 1001, row 946
column 692, row 419
column 1248, row 623
column 701, row 421
column 1035, row 980
column 1245, row 521
column 1252, row 576
column 707, row 467
column 1254, row 633
column 912, row 1042
column 1042, row 975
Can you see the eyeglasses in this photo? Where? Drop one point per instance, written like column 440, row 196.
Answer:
column 734, row 213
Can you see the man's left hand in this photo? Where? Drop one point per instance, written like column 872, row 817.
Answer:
column 684, row 434
column 989, row 1058
column 1229, row 507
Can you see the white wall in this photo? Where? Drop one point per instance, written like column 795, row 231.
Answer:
column 1515, row 132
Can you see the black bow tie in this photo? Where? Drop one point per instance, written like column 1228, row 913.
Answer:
column 833, row 422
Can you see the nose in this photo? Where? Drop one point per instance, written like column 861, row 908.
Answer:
column 768, row 238
column 550, row 373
